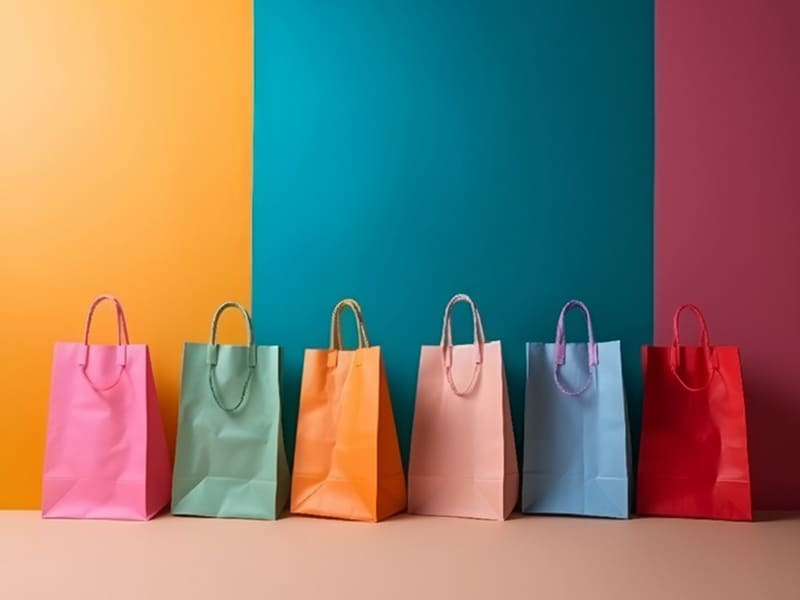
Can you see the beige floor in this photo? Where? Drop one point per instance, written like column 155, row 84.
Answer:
column 405, row 557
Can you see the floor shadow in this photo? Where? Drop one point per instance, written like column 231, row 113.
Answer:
column 766, row 516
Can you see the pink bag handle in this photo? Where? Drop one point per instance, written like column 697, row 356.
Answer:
column 122, row 341
column 446, row 342
column 712, row 363
column 561, row 347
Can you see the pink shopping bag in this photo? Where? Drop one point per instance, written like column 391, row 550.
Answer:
column 106, row 455
column 463, row 461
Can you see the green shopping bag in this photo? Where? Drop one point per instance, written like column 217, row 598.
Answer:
column 230, row 459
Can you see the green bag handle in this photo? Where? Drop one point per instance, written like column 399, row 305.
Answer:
column 213, row 354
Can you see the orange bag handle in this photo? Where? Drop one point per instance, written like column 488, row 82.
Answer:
column 336, row 324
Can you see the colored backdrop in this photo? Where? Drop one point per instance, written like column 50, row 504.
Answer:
column 727, row 205
column 407, row 150
column 403, row 151
column 124, row 168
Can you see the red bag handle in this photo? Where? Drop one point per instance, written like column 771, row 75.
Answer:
column 674, row 356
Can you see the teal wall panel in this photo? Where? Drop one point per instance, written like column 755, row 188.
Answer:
column 406, row 150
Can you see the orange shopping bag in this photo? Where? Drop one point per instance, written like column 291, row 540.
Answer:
column 347, row 459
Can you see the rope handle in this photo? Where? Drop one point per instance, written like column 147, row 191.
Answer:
column 561, row 347
column 122, row 326
column 700, row 318
column 336, row 342
column 446, row 343
column 122, row 342
column 212, row 355
column 712, row 362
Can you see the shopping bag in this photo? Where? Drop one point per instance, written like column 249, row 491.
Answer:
column 576, row 451
column 230, row 459
column 463, row 460
column 693, row 457
column 347, row 459
column 106, row 455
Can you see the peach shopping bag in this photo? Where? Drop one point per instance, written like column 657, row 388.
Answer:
column 347, row 459
column 106, row 455
column 463, row 460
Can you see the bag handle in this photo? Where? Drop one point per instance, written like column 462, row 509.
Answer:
column 122, row 341
column 336, row 324
column 446, row 343
column 712, row 363
column 212, row 355
column 561, row 347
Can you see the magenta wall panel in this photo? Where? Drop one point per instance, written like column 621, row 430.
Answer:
column 727, row 214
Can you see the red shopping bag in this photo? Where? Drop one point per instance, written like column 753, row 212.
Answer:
column 693, row 459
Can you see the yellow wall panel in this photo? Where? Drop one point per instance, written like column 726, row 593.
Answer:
column 125, row 167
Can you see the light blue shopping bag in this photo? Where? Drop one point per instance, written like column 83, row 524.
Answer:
column 576, row 457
